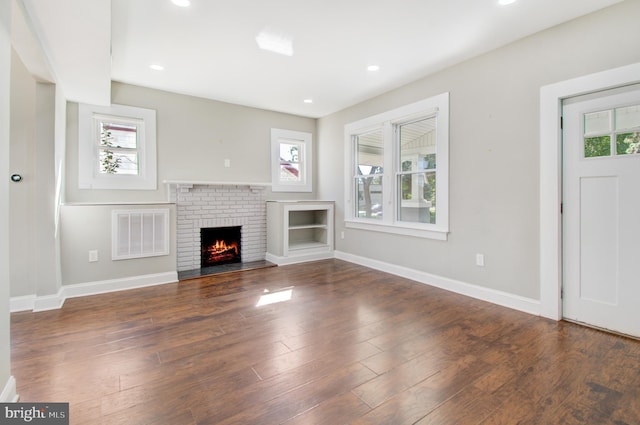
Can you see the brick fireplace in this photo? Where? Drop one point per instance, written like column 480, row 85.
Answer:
column 201, row 206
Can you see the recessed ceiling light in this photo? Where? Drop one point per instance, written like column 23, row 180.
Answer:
column 156, row 67
column 373, row 68
column 505, row 2
column 308, row 101
column 276, row 42
column 181, row 3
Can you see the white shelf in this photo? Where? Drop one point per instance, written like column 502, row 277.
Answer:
column 308, row 226
column 303, row 245
column 299, row 231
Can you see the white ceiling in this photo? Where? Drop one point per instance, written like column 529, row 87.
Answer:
column 209, row 49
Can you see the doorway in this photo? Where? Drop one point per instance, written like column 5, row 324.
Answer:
column 601, row 206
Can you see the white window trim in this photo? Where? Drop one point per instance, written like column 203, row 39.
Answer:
column 88, row 176
column 387, row 121
column 306, row 161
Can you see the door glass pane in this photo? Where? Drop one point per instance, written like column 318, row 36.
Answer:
column 369, row 197
column 597, row 146
column 597, row 122
column 418, row 144
column 628, row 143
column 628, row 117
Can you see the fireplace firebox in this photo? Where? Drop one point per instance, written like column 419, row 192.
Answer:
column 220, row 245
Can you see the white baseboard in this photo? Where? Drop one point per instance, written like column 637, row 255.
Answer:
column 112, row 285
column 505, row 299
column 36, row 303
column 9, row 394
column 295, row 259
column 50, row 302
column 23, row 303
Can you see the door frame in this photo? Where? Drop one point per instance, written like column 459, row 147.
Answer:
column 551, row 98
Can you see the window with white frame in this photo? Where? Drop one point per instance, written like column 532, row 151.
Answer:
column 116, row 147
column 291, row 159
column 397, row 169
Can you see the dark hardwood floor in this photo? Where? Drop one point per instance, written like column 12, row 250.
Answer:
column 351, row 345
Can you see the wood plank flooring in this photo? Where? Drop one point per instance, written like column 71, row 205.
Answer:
column 350, row 346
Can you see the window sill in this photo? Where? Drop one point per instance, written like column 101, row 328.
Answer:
column 406, row 230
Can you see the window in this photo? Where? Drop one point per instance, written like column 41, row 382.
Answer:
column 614, row 131
column 291, row 161
column 397, row 168
column 116, row 147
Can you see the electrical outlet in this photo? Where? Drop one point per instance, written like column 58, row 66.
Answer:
column 93, row 256
column 480, row 260
column 227, row 163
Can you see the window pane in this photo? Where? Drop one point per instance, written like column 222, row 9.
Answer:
column 628, row 117
column 290, row 152
column 289, row 172
column 369, row 197
column 369, row 153
column 418, row 144
column 115, row 162
column 597, row 146
column 628, row 143
column 119, row 135
column 597, row 122
column 418, row 198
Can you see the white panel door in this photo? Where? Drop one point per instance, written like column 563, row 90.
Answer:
column 601, row 210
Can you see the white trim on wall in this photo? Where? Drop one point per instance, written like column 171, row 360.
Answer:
column 52, row 302
column 505, row 299
column 551, row 97
column 9, row 394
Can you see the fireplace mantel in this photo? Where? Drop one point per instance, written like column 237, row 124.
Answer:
column 214, row 183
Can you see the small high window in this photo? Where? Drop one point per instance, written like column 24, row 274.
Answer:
column 117, row 147
column 291, row 160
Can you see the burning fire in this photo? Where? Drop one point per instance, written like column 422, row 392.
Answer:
column 221, row 251
column 221, row 246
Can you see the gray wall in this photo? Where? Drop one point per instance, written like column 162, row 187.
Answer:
column 88, row 227
column 21, row 204
column 494, row 149
column 5, row 83
column 194, row 137
column 34, row 245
